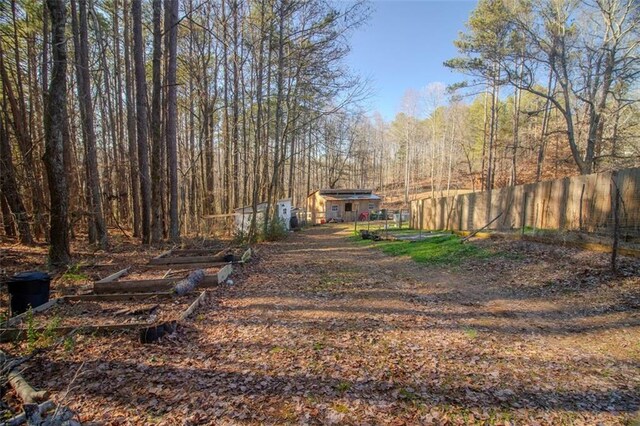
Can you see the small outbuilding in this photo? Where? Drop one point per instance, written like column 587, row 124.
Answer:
column 244, row 215
column 341, row 205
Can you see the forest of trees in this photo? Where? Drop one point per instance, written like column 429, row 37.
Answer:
column 148, row 116
column 552, row 91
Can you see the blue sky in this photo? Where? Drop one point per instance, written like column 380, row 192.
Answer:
column 403, row 46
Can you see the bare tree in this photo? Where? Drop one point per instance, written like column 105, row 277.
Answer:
column 55, row 117
column 141, row 120
column 97, row 228
column 171, row 23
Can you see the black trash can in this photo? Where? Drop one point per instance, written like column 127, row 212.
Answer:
column 28, row 289
column 293, row 222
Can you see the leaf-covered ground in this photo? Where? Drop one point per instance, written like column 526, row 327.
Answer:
column 321, row 330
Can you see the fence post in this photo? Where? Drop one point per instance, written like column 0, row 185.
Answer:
column 421, row 215
column 524, row 212
column 616, row 224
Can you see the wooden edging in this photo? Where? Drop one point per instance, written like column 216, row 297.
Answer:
column 191, row 309
column 114, row 276
column 200, row 252
column 141, row 286
column 147, row 332
column 119, row 296
column 179, row 266
column 186, row 260
column 15, row 334
column 164, row 254
column 18, row 318
column 224, row 273
column 246, row 256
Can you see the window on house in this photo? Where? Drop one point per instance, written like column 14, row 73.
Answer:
column 334, row 208
column 347, row 207
column 371, row 206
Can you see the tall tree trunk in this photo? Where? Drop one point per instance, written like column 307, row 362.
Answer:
column 134, row 174
column 171, row 21
column 55, row 117
column 9, row 188
column 279, row 112
column 157, row 177
column 21, row 133
column 141, row 120
column 123, row 199
column 228, row 194
column 94, row 196
column 235, row 107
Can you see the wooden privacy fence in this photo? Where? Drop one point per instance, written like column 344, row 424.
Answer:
column 575, row 203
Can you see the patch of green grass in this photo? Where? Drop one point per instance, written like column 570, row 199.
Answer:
column 443, row 250
column 40, row 338
column 471, row 333
column 73, row 273
column 342, row 387
column 276, row 349
column 318, row 346
column 69, row 344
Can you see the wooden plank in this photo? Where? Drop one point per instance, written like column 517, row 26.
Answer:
column 18, row 318
column 119, row 296
column 224, row 273
column 164, row 254
column 191, row 309
column 142, row 286
column 17, row 334
column 186, row 260
column 190, row 266
column 246, row 256
column 218, row 250
column 114, row 276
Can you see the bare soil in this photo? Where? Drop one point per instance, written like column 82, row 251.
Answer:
column 319, row 330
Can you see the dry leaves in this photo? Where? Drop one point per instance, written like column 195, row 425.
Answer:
column 319, row 331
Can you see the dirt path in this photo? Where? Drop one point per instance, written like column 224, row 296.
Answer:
column 323, row 331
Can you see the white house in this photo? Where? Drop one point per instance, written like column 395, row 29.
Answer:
column 244, row 215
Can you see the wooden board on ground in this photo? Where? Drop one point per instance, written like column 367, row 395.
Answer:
column 246, row 256
column 192, row 308
column 153, row 285
column 199, row 251
column 16, row 334
column 116, row 297
column 114, row 276
column 189, row 266
column 224, row 273
column 164, row 254
column 18, row 318
column 177, row 260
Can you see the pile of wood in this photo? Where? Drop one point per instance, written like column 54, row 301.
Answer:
column 36, row 406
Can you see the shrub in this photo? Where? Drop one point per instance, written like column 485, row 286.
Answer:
column 275, row 231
